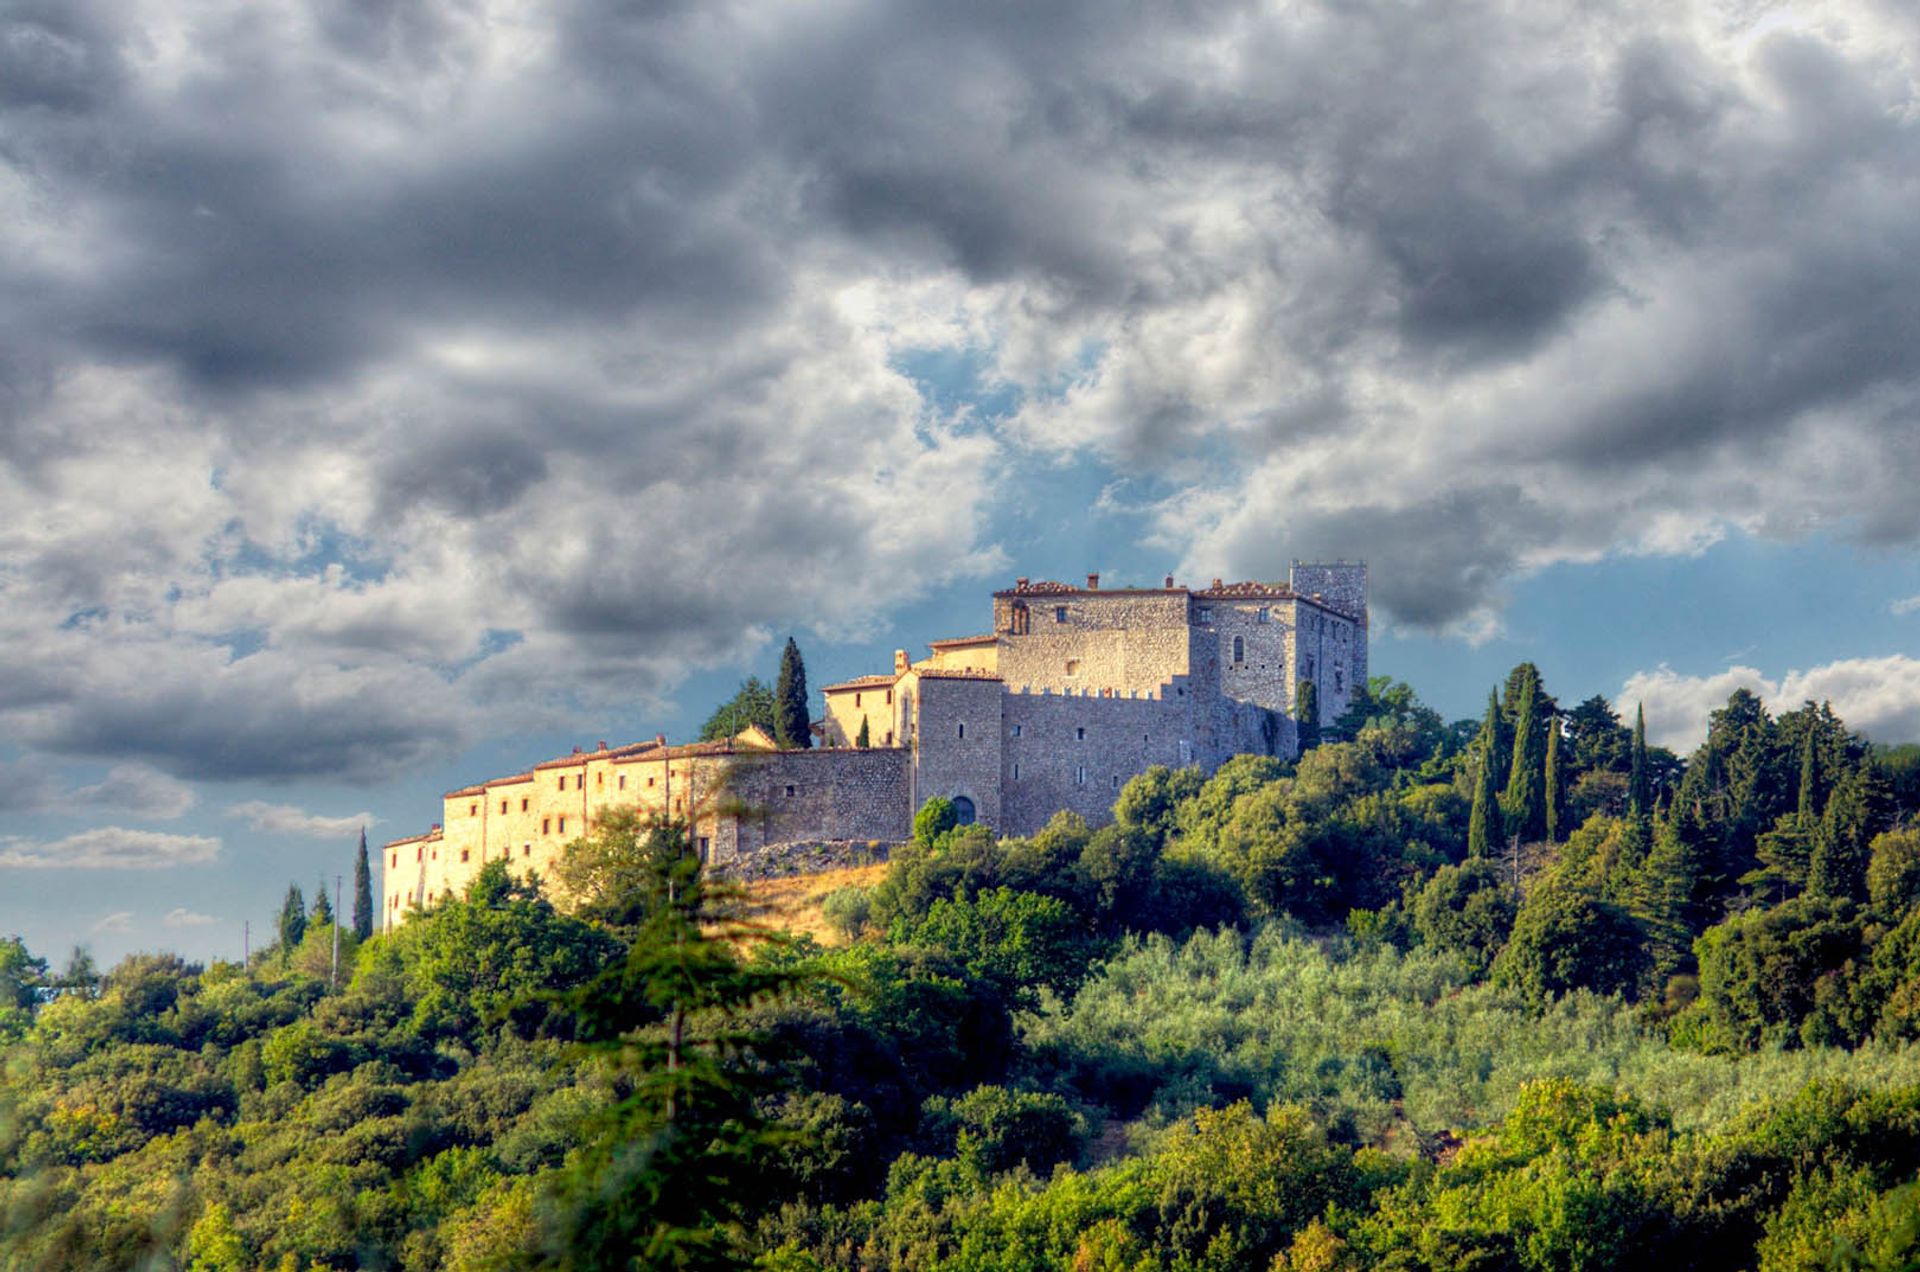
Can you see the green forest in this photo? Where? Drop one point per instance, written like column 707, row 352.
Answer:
column 1520, row 992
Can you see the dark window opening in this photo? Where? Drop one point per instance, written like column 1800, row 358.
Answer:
column 963, row 730
column 1059, row 613
column 1239, row 649
column 963, row 810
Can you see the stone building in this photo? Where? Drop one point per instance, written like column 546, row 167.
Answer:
column 1075, row 690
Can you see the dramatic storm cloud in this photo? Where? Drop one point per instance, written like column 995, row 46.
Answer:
column 378, row 377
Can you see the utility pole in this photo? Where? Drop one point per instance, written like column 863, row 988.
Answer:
column 246, row 943
column 333, row 977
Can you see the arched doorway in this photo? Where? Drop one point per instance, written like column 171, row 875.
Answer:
column 963, row 810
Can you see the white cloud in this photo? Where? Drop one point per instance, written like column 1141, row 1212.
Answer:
column 140, row 788
column 117, row 921
column 110, row 848
column 1880, row 697
column 181, row 917
column 285, row 819
column 1906, row 605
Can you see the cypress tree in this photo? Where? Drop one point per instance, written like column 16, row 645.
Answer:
column 322, row 915
column 293, row 920
column 865, row 739
column 792, row 722
column 1638, row 802
column 1525, row 797
column 1556, row 782
column 1482, row 827
column 362, row 891
column 1306, row 714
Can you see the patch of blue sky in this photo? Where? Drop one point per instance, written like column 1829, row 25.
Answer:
column 1749, row 602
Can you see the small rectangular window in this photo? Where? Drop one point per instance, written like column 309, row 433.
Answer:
column 649, row 781
column 546, row 825
column 963, row 730
column 419, row 854
column 1016, row 772
column 396, row 861
column 523, row 805
column 789, row 791
column 1264, row 616
column 1204, row 613
column 889, row 737
column 705, row 845
column 563, row 825
column 1080, row 734
column 623, row 781
column 856, row 699
column 503, row 805
column 1016, row 730
column 473, row 809
column 1059, row 613
column 599, row 781
column 526, row 850
column 563, row 781
column 889, row 697
column 1080, row 775
column 463, row 854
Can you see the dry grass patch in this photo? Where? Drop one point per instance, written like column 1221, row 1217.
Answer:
column 793, row 902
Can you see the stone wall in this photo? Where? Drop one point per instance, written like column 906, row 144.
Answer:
column 1343, row 584
column 787, row 797
column 1065, row 752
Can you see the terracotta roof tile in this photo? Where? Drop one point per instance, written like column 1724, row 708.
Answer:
column 861, row 682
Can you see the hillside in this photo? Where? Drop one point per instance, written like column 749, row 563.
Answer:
column 792, row 903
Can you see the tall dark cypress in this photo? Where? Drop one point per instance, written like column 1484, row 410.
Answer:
column 1483, row 827
column 1854, row 813
column 322, row 915
column 362, row 891
column 792, row 722
column 1306, row 714
column 1525, row 798
column 293, row 920
column 1556, row 782
column 1639, row 803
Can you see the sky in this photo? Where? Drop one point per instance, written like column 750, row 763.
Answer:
column 394, row 393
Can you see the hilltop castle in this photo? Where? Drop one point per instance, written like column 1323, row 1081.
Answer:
column 1076, row 689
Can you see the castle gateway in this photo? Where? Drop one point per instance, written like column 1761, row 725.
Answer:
column 1075, row 690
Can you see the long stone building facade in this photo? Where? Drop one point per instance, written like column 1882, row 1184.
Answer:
column 1075, row 690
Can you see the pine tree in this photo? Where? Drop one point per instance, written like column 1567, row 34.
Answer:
column 1639, row 801
column 792, row 722
column 322, row 915
column 293, row 920
column 1524, row 800
column 1841, row 846
column 865, row 739
column 1807, row 809
column 1556, row 782
column 362, row 892
column 1306, row 714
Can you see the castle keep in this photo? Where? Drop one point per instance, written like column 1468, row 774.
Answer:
column 1075, row 690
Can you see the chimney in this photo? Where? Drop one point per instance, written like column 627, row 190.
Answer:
column 659, row 739
column 899, row 661
column 1020, row 583
column 434, row 827
column 1093, row 582
column 576, row 750
column 603, row 744
column 1169, row 582
column 1216, row 585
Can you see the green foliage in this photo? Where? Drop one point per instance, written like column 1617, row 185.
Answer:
column 752, row 706
column 792, row 711
column 1306, row 714
column 992, row 1129
column 1465, row 910
column 935, row 818
column 849, row 909
column 865, row 738
column 1565, row 938
column 1016, row 941
column 1893, row 873
column 1524, row 802
column 1152, row 801
column 1785, row 976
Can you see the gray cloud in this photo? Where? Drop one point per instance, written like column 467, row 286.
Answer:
column 374, row 372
